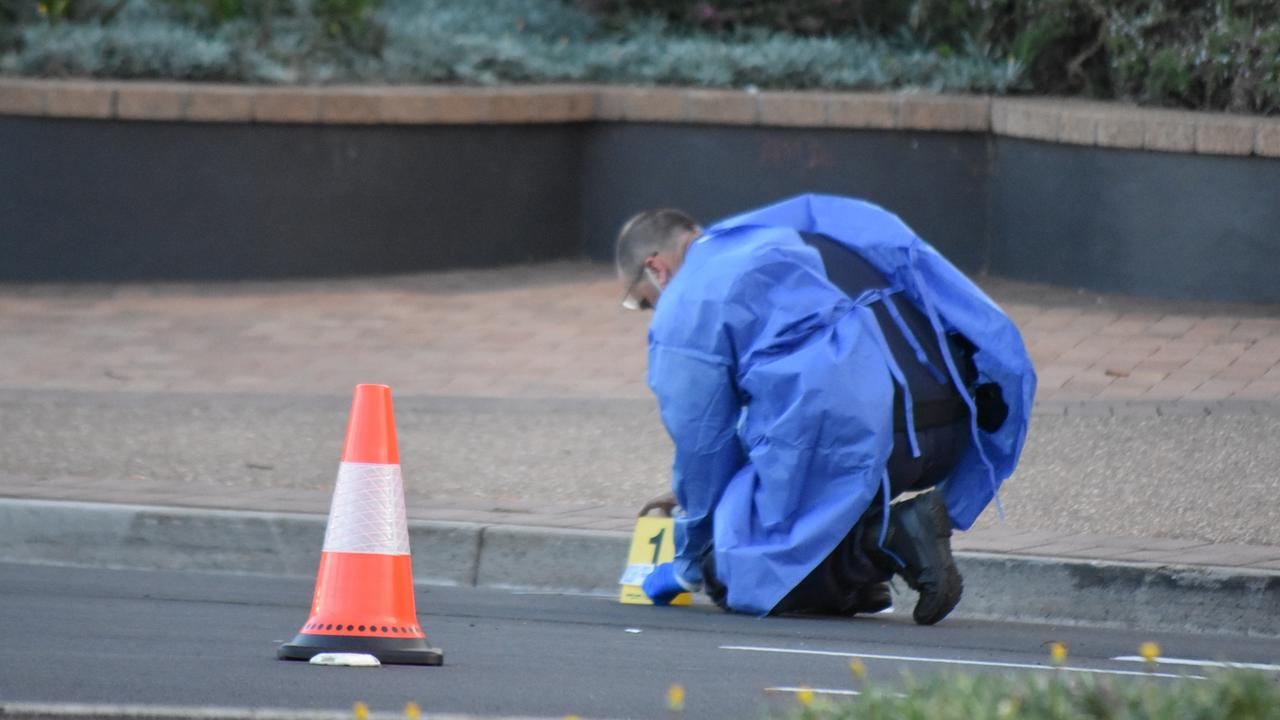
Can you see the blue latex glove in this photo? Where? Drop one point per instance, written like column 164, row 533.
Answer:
column 662, row 586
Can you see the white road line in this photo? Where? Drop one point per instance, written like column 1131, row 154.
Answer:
column 1199, row 663
column 954, row 661
column 815, row 691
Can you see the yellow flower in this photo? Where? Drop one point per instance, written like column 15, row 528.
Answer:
column 675, row 698
column 805, row 697
column 412, row 711
column 361, row 711
column 1149, row 652
column 572, row 717
column 1058, row 653
column 858, row 669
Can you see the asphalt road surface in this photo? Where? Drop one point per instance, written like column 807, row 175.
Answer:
column 166, row 638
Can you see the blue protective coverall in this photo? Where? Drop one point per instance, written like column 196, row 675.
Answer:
column 777, row 389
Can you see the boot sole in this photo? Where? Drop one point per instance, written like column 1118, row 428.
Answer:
column 950, row 599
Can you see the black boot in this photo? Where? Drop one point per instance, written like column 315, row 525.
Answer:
column 872, row 598
column 920, row 536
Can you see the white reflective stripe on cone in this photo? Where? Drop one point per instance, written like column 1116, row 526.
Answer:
column 367, row 515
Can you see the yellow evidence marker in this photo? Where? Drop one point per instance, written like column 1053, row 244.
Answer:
column 651, row 545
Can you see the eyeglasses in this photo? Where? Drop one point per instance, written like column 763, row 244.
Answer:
column 629, row 300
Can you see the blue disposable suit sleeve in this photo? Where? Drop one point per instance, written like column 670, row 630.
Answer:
column 700, row 408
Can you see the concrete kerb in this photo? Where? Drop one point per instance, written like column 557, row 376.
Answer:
column 1124, row 595
column 161, row 538
column 997, row 586
column 551, row 558
column 70, row 711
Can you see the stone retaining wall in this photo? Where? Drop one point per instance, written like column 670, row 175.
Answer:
column 109, row 180
column 1075, row 122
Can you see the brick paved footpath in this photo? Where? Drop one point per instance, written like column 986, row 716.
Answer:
column 556, row 331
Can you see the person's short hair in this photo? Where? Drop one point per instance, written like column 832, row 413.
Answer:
column 647, row 233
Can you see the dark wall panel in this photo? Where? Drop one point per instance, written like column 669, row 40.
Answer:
column 935, row 181
column 104, row 200
column 1162, row 224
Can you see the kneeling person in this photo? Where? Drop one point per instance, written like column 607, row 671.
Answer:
column 812, row 361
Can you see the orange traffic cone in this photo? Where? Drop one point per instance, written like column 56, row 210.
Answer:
column 364, row 590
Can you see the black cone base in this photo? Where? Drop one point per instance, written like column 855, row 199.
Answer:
column 392, row 651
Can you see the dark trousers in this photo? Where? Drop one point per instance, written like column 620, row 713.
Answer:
column 832, row 587
column 942, row 431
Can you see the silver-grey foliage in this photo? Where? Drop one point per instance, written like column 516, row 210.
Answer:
column 499, row 41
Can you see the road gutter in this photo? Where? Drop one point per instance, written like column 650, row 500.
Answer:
column 997, row 586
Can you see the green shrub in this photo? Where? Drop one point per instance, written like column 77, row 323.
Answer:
column 347, row 23
column 498, row 41
column 1221, row 54
column 214, row 13
column 350, row 22
column 805, row 17
column 1235, row 695
column 56, row 11
column 15, row 13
